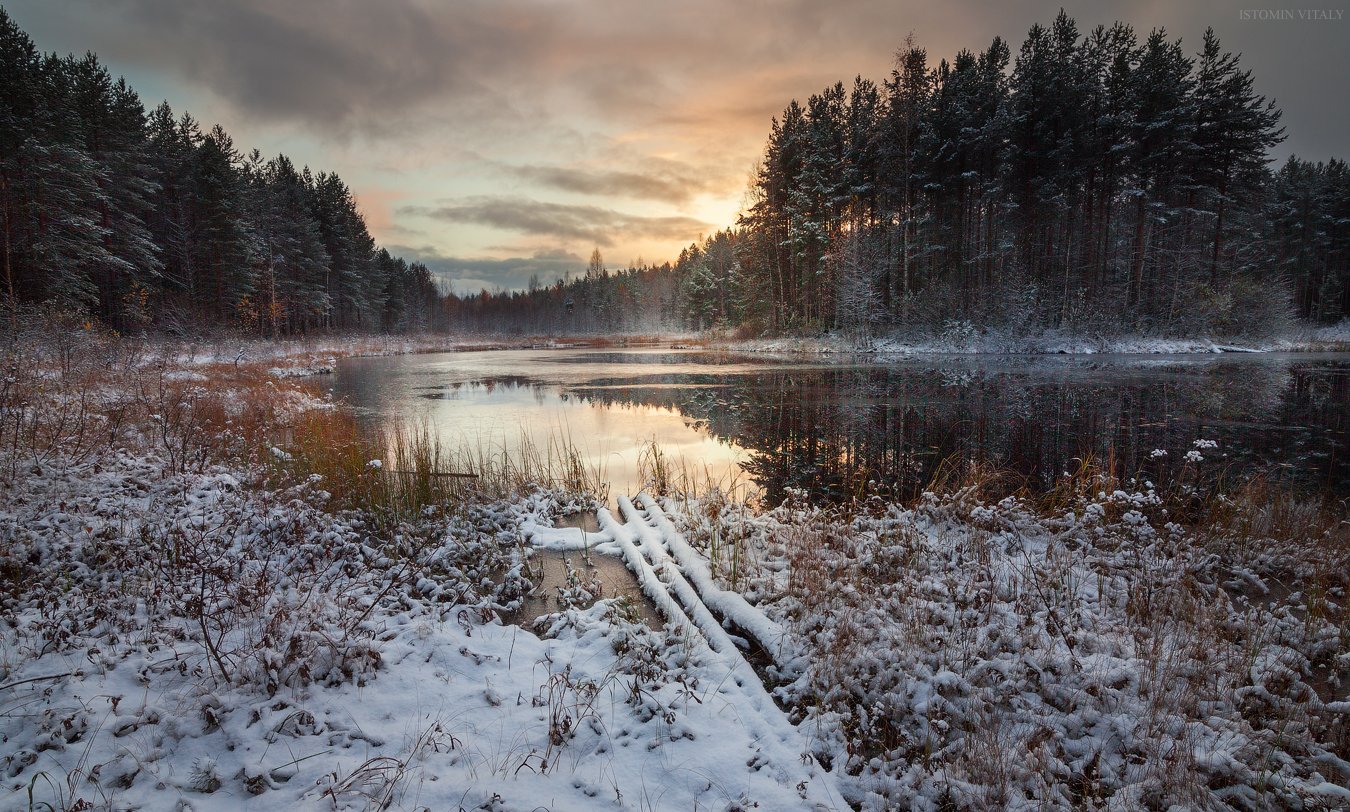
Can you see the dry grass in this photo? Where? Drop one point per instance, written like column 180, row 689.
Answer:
column 662, row 476
column 73, row 393
column 1188, row 649
column 400, row 474
column 222, row 481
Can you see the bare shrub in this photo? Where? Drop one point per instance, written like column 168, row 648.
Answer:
column 1089, row 647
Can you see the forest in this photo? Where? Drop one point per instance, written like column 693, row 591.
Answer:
column 148, row 221
column 1098, row 183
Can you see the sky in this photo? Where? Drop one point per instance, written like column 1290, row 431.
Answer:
column 497, row 140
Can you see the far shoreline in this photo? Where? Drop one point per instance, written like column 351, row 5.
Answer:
column 316, row 354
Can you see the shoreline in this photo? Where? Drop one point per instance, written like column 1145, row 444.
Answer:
column 315, row 353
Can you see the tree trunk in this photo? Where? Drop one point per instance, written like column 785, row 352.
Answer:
column 1218, row 234
column 1137, row 261
column 9, row 263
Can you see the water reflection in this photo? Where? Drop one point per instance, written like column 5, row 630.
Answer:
column 830, row 428
column 502, row 400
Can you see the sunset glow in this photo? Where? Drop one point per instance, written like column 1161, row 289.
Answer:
column 499, row 140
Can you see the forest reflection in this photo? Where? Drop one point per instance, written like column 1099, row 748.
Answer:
column 842, row 431
column 832, row 428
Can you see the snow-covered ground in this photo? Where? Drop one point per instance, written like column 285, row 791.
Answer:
column 317, row 355
column 963, row 654
column 342, row 672
column 299, row 357
column 196, row 629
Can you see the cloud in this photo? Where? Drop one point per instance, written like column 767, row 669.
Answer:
column 705, row 68
column 663, row 103
column 340, row 65
column 593, row 224
column 624, row 184
column 667, row 181
column 470, row 275
column 344, row 67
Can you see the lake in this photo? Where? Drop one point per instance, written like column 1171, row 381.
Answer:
column 842, row 425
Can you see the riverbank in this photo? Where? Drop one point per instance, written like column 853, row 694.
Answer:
column 315, row 355
column 965, row 339
column 218, row 594
column 318, row 355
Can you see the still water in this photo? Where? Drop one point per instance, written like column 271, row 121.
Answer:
column 833, row 426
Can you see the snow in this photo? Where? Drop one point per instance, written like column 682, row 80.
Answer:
column 687, row 598
column 302, row 370
column 213, row 637
column 963, row 654
column 218, row 636
column 317, row 355
column 730, row 605
column 408, row 690
column 1050, row 343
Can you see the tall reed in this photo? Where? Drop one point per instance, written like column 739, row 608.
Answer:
column 407, row 469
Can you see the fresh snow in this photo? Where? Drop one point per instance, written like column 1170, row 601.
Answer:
column 991, row 647
column 194, row 640
column 414, row 693
column 973, row 655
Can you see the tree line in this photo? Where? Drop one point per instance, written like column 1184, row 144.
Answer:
column 1093, row 182
column 1099, row 182
column 641, row 299
column 148, row 220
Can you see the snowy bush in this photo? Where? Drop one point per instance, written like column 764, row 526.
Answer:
column 964, row 654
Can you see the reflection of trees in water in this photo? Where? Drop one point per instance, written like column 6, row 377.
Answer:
column 832, row 430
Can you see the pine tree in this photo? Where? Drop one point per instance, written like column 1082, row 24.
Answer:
column 354, row 279
column 1108, row 55
column 908, row 94
column 170, row 154
column 20, row 103
column 1234, row 129
column 1158, row 155
column 219, row 252
column 63, row 196
column 109, row 123
column 135, row 218
column 290, row 262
